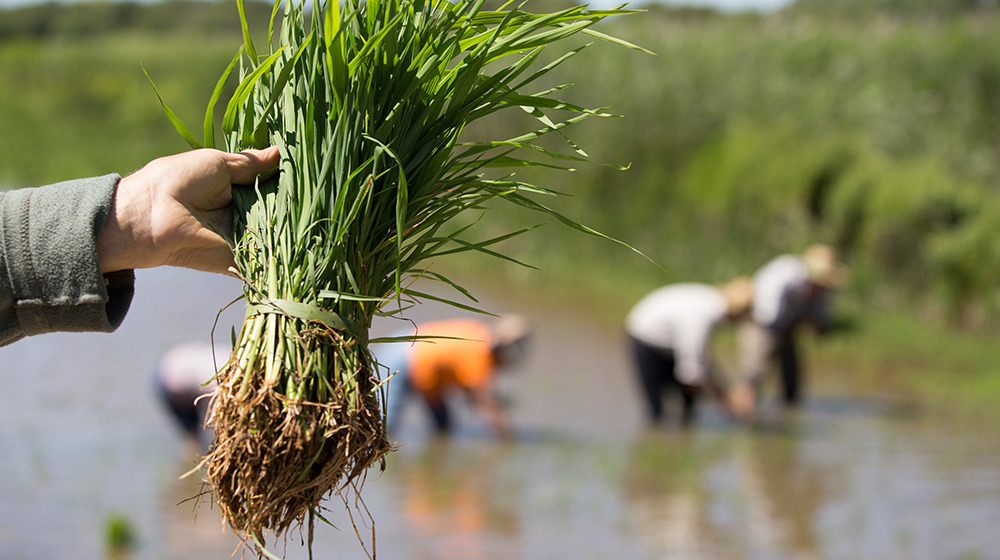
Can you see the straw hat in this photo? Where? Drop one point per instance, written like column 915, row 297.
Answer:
column 823, row 267
column 510, row 339
column 738, row 294
column 509, row 330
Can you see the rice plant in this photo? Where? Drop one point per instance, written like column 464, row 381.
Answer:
column 367, row 101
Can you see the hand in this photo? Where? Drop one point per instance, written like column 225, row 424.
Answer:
column 493, row 410
column 177, row 210
column 743, row 400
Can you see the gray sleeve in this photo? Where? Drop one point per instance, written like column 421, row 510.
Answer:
column 50, row 277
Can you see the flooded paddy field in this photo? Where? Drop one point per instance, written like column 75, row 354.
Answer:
column 859, row 472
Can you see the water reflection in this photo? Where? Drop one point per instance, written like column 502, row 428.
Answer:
column 188, row 524
column 845, row 478
column 854, row 474
column 782, row 490
column 449, row 499
column 667, row 500
column 731, row 494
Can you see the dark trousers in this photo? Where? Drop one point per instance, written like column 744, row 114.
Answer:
column 438, row 410
column 401, row 389
column 183, row 408
column 787, row 353
column 657, row 380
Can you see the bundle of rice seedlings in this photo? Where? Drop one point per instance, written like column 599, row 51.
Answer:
column 367, row 101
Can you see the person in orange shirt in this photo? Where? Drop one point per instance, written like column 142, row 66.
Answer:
column 449, row 355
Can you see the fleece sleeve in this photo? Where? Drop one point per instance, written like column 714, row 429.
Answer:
column 50, row 277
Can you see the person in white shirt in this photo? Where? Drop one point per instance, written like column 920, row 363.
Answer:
column 671, row 331
column 789, row 291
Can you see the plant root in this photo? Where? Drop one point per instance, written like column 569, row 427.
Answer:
column 275, row 458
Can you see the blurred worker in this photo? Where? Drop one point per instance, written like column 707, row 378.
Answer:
column 184, row 377
column 450, row 355
column 671, row 333
column 789, row 291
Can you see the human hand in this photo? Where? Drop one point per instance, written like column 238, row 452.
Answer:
column 742, row 401
column 177, row 210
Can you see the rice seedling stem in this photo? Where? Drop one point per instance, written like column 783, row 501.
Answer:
column 367, row 101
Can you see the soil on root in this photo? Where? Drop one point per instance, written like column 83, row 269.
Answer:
column 274, row 459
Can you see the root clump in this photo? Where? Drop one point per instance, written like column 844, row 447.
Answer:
column 276, row 457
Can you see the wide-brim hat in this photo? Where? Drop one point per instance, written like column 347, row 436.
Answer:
column 738, row 294
column 509, row 330
column 823, row 266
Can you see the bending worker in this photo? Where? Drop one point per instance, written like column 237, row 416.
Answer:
column 790, row 291
column 184, row 377
column 457, row 355
column 671, row 330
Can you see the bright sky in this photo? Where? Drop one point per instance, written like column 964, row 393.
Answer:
column 726, row 5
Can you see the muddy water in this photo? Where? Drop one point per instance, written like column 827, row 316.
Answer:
column 858, row 473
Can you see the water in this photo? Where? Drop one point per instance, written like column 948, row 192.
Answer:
column 858, row 473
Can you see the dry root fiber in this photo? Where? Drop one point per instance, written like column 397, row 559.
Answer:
column 276, row 456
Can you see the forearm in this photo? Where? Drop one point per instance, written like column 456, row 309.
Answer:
column 50, row 278
column 716, row 389
column 494, row 413
column 67, row 251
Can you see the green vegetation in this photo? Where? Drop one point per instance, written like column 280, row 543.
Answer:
column 875, row 129
column 119, row 535
column 752, row 136
column 77, row 103
column 367, row 101
column 73, row 21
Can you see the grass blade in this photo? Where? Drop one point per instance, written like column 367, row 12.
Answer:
column 174, row 119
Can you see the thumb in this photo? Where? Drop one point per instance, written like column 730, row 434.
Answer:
column 245, row 166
